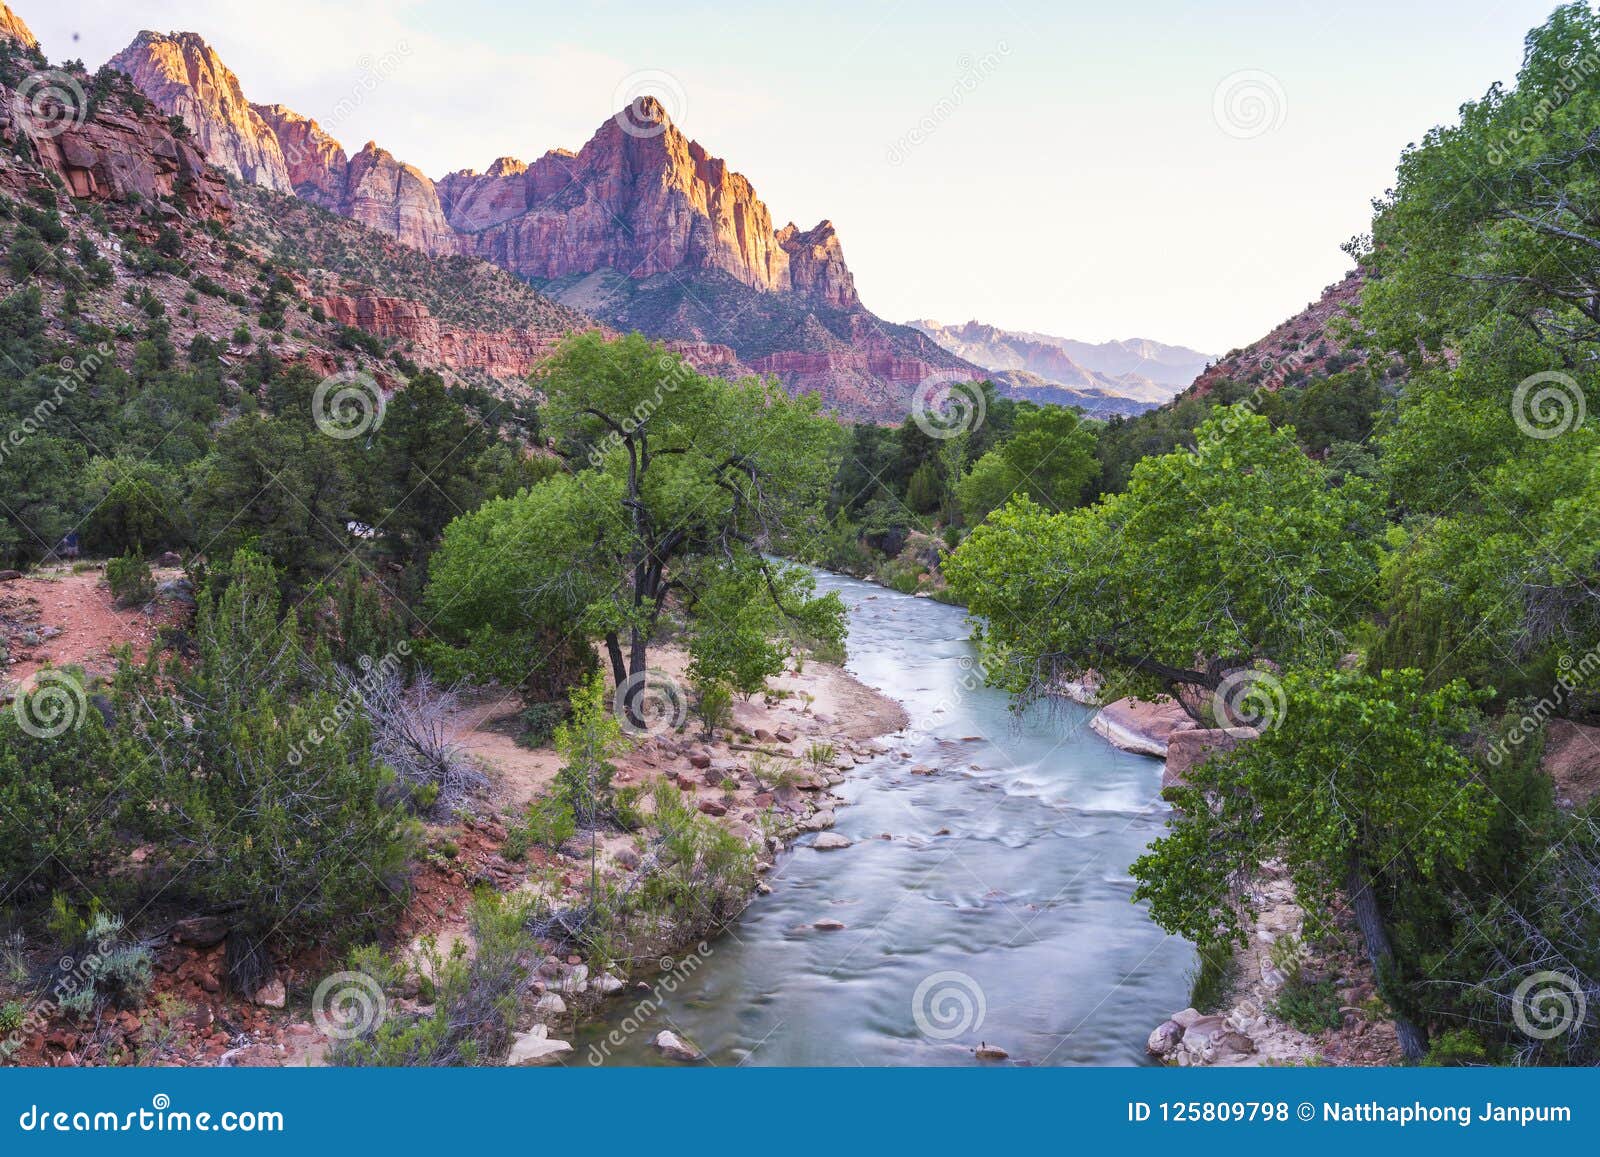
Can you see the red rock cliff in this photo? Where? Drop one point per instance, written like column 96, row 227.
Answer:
column 186, row 78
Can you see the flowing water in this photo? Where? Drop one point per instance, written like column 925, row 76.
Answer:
column 1016, row 928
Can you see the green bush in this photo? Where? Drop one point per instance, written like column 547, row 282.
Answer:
column 474, row 1002
column 1309, row 1007
column 548, row 824
column 539, row 723
column 130, row 580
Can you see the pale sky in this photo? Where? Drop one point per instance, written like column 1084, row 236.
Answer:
column 1061, row 167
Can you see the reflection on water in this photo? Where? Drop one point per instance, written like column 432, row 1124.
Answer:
column 1020, row 915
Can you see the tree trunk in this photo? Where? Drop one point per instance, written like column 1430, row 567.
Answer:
column 619, row 669
column 1413, row 1040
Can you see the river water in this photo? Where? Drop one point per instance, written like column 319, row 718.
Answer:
column 1016, row 928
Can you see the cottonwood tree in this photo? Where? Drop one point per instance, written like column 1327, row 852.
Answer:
column 675, row 479
column 1364, row 786
column 1209, row 562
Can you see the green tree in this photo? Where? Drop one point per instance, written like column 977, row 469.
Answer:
column 1208, row 563
column 278, row 487
column 1364, row 785
column 261, row 789
column 676, row 477
column 1050, row 458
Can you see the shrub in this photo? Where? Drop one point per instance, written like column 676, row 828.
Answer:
column 475, row 1001
column 539, row 723
column 130, row 580
column 704, row 872
column 549, row 823
column 714, row 706
column 1311, row 1008
column 58, row 794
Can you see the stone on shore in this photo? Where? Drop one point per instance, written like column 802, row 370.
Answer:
column 1187, row 750
column 1144, row 727
column 535, row 1047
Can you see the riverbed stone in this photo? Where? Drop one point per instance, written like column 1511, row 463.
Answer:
column 989, row 1052
column 551, row 1004
column 829, row 924
column 677, row 1048
column 1164, row 1039
column 828, row 841
column 536, row 1047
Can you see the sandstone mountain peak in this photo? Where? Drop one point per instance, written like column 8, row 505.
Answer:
column 642, row 228
column 186, row 78
column 12, row 28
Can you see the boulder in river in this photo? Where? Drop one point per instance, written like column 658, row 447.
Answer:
column 1164, row 1039
column 675, row 1047
column 828, row 841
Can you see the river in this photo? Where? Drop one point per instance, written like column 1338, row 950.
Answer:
column 1016, row 928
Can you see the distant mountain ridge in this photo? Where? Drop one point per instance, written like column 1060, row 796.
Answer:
column 642, row 228
column 1115, row 376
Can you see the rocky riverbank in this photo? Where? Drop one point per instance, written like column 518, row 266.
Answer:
column 766, row 777
column 1280, row 955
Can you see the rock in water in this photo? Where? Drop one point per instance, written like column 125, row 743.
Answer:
column 830, row 840
column 675, row 1047
column 989, row 1052
column 1164, row 1039
column 535, row 1047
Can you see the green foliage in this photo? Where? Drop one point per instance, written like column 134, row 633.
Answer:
column 547, row 824
column 1238, row 551
column 704, row 872
column 1050, row 458
column 130, row 580
column 1364, row 777
column 713, row 703
column 261, row 789
column 1309, row 1007
column 685, row 478
column 539, row 723
column 588, row 742
column 1456, row 1048
column 476, row 998
column 58, row 791
column 1212, row 980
